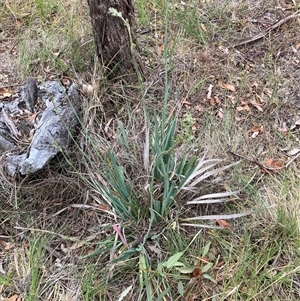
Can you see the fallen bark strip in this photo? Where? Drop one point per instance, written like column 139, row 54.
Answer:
column 47, row 126
column 266, row 31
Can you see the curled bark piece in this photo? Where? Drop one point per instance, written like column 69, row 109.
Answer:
column 53, row 130
column 29, row 94
column 7, row 143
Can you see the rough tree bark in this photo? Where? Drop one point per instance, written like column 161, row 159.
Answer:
column 111, row 35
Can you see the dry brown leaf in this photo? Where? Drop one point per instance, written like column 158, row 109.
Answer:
column 196, row 273
column 257, row 129
column 203, row 27
column 237, row 118
column 185, row 102
column 100, row 206
column 5, row 93
column 6, row 245
column 32, row 117
column 260, row 98
column 274, row 164
column 243, row 108
column 215, row 101
column 6, row 90
column 159, row 50
column 229, row 87
column 223, row 224
column 283, row 130
column 256, row 105
column 13, row 298
column 269, row 162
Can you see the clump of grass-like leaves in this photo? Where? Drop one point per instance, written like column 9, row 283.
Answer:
column 166, row 168
column 171, row 170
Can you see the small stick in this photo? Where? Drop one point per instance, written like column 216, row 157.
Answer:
column 265, row 32
column 255, row 161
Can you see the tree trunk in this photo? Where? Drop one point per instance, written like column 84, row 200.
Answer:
column 112, row 37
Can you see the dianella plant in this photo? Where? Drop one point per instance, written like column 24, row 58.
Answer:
column 170, row 169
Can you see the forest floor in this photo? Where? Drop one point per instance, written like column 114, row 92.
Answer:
column 228, row 73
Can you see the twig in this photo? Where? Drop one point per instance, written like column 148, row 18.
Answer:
column 265, row 168
column 266, row 31
column 293, row 159
column 255, row 161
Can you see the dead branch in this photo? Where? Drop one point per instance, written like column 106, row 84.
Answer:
column 267, row 30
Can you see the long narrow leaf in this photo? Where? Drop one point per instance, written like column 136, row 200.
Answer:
column 122, row 134
column 180, row 167
column 212, row 198
column 208, row 201
column 212, row 173
column 125, row 293
column 201, row 226
column 147, row 150
column 218, row 195
column 199, row 171
column 189, row 169
column 123, row 188
column 221, row 216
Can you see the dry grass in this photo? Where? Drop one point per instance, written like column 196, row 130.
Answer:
column 52, row 221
